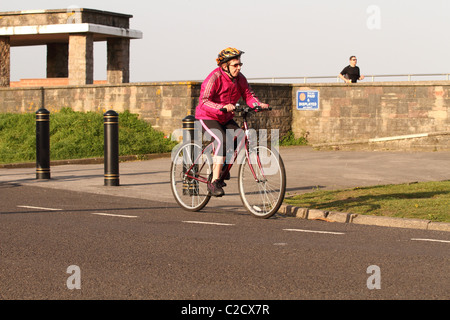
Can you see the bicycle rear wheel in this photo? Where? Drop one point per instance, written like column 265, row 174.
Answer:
column 262, row 182
column 190, row 194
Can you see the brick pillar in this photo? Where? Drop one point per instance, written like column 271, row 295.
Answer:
column 57, row 60
column 118, row 60
column 81, row 59
column 5, row 61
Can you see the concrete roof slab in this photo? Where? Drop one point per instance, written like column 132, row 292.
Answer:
column 44, row 34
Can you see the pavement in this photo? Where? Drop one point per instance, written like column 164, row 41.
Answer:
column 306, row 168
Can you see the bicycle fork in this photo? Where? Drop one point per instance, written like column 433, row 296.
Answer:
column 249, row 160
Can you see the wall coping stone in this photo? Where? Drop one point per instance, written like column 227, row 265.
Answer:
column 377, row 84
column 50, row 11
column 302, row 85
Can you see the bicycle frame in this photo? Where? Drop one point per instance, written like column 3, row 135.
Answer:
column 261, row 177
column 243, row 144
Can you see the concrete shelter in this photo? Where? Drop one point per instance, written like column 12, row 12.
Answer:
column 69, row 35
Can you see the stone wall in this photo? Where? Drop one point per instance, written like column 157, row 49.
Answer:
column 63, row 16
column 164, row 105
column 161, row 104
column 374, row 110
column 348, row 113
column 278, row 96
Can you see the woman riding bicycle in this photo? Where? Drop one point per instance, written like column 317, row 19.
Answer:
column 223, row 88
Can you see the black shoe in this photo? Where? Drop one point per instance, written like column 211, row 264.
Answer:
column 215, row 188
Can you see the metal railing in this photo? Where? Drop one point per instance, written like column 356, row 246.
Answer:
column 409, row 77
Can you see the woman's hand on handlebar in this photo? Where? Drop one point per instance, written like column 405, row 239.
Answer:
column 264, row 106
column 230, row 107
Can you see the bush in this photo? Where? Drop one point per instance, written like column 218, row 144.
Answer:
column 75, row 135
column 290, row 140
column 17, row 138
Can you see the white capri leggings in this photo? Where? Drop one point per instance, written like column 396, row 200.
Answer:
column 220, row 133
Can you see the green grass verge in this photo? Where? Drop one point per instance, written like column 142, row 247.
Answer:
column 424, row 200
column 76, row 135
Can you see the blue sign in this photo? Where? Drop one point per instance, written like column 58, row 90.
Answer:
column 307, row 100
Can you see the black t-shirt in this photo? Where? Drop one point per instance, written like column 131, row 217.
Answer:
column 351, row 73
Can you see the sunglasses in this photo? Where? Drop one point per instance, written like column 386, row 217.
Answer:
column 236, row 65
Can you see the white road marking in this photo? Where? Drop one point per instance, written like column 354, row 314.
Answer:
column 431, row 240
column 113, row 215
column 39, row 208
column 209, row 223
column 313, row 231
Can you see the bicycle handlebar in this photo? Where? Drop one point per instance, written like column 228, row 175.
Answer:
column 246, row 109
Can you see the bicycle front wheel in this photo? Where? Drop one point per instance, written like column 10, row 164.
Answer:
column 262, row 182
column 189, row 172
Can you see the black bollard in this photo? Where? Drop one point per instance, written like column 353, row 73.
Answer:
column 42, row 144
column 189, row 186
column 188, row 129
column 111, row 148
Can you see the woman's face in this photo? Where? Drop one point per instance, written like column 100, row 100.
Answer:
column 235, row 67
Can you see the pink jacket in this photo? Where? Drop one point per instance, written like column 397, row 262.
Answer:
column 219, row 90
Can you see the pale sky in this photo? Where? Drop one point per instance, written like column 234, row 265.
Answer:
column 281, row 38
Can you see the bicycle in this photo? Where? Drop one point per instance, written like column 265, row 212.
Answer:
column 261, row 176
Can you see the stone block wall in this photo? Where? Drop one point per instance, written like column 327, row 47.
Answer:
column 278, row 96
column 374, row 110
column 164, row 105
column 347, row 113
column 63, row 16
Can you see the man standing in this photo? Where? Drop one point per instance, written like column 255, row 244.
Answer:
column 351, row 73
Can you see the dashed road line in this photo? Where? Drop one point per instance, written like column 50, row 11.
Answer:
column 313, row 231
column 39, row 208
column 223, row 224
column 209, row 223
column 113, row 215
column 431, row 240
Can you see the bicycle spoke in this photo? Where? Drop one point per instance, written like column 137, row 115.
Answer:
column 189, row 171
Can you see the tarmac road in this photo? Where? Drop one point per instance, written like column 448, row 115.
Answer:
column 306, row 169
column 128, row 248
column 133, row 242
